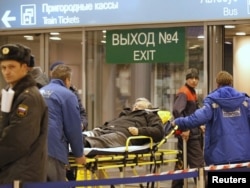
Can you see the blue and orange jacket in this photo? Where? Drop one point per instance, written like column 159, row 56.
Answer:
column 185, row 104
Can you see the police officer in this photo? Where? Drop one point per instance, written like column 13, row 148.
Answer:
column 23, row 127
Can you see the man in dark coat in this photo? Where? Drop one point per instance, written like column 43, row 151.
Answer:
column 138, row 121
column 185, row 104
column 23, row 127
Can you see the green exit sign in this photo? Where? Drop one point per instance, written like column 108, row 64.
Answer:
column 159, row 45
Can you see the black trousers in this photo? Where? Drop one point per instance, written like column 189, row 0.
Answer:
column 195, row 157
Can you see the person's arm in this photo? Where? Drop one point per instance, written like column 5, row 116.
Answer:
column 83, row 113
column 72, row 125
column 199, row 117
column 154, row 127
column 179, row 105
column 178, row 111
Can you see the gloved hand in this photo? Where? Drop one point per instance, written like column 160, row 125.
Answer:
column 178, row 131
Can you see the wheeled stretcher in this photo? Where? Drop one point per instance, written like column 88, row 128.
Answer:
column 99, row 160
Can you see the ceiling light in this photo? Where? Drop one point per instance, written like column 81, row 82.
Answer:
column 200, row 37
column 55, row 38
column 54, row 33
column 28, row 37
column 240, row 33
column 229, row 26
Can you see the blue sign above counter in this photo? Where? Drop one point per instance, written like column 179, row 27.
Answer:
column 39, row 14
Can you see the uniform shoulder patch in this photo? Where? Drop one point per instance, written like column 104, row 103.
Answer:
column 22, row 110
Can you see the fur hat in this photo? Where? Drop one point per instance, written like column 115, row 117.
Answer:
column 192, row 73
column 224, row 78
column 16, row 52
column 32, row 61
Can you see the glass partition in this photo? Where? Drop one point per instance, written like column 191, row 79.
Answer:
column 169, row 76
column 67, row 48
column 111, row 87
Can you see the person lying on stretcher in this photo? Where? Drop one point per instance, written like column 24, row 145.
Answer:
column 138, row 121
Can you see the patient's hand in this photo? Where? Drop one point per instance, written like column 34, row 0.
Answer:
column 80, row 160
column 133, row 130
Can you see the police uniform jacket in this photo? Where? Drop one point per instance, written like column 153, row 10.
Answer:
column 23, row 135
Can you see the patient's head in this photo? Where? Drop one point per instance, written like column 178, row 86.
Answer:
column 142, row 104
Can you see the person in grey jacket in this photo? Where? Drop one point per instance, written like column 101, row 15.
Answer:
column 23, row 127
column 137, row 121
column 40, row 77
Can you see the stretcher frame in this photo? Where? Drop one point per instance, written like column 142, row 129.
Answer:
column 154, row 156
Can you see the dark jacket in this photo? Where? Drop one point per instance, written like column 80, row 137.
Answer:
column 148, row 124
column 226, row 113
column 83, row 112
column 184, row 105
column 23, row 135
